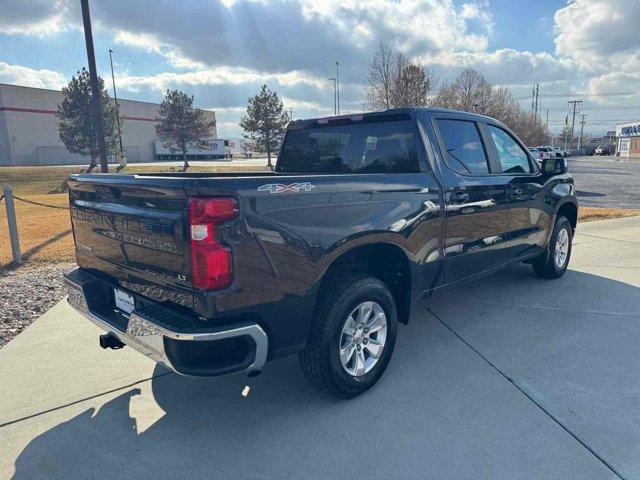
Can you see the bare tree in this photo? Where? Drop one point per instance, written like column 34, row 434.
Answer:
column 471, row 92
column 381, row 77
column 412, row 84
column 397, row 81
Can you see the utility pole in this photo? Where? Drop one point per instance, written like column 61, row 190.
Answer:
column 575, row 104
column 338, row 86
column 546, row 127
column 537, row 97
column 582, row 117
column 95, row 87
column 335, row 92
column 115, row 99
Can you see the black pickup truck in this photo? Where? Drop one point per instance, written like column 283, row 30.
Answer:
column 364, row 216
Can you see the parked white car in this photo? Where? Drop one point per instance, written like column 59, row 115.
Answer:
column 546, row 152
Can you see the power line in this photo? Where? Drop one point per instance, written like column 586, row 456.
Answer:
column 582, row 94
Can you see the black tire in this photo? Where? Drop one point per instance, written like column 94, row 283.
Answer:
column 320, row 359
column 545, row 266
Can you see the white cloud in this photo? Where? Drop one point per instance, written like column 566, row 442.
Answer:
column 39, row 18
column 223, row 50
column 219, row 76
column 29, row 77
column 152, row 44
column 598, row 34
column 621, row 85
column 286, row 35
column 508, row 66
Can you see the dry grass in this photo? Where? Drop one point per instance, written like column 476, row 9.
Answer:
column 589, row 214
column 45, row 233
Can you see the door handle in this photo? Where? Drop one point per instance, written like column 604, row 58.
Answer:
column 458, row 196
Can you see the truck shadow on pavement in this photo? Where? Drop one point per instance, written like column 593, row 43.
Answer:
column 439, row 408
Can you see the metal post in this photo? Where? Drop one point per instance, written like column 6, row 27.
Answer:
column 335, row 91
column 13, row 226
column 115, row 99
column 582, row 117
column 338, row 86
column 575, row 104
column 95, row 87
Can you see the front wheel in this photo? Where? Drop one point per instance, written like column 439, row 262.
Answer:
column 554, row 262
column 353, row 338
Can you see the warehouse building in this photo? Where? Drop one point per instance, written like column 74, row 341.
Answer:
column 29, row 129
column 628, row 139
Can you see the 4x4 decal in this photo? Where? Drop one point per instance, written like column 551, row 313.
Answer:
column 292, row 187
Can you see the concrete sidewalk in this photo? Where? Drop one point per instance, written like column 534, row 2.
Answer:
column 507, row 377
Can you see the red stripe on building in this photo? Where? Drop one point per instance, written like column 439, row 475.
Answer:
column 53, row 112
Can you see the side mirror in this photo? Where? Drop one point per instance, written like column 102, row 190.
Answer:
column 554, row 166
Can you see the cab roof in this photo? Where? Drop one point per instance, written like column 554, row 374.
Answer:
column 408, row 113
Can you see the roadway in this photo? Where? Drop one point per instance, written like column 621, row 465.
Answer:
column 606, row 181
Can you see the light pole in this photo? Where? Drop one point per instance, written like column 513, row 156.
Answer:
column 115, row 99
column 95, row 88
column 335, row 91
column 338, row 87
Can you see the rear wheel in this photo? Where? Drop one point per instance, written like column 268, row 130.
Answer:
column 353, row 338
column 554, row 262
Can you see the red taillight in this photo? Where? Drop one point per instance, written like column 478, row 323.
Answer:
column 211, row 262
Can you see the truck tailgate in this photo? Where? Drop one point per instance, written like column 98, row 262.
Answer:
column 133, row 229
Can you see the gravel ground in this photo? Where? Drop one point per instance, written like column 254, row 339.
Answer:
column 26, row 293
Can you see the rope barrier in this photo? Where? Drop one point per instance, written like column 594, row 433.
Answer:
column 40, row 204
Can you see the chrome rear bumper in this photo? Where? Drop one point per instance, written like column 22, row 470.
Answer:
column 149, row 338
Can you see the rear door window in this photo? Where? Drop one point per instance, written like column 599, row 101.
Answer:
column 464, row 151
column 368, row 147
column 512, row 156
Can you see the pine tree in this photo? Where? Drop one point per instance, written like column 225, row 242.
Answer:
column 181, row 125
column 75, row 124
column 565, row 136
column 265, row 121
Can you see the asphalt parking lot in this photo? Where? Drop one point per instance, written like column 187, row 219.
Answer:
column 507, row 377
column 606, row 181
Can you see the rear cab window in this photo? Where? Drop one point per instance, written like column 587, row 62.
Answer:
column 362, row 147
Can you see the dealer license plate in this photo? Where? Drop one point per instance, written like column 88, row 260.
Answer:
column 124, row 301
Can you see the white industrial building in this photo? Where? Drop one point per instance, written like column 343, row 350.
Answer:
column 29, row 129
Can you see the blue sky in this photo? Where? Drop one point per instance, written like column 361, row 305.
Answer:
column 221, row 51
